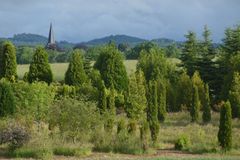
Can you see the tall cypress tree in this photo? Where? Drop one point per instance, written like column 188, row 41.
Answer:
column 225, row 127
column 8, row 62
column 206, row 116
column 234, row 95
column 161, row 100
column 195, row 105
column 75, row 74
column 102, row 98
column 39, row 69
column 153, row 110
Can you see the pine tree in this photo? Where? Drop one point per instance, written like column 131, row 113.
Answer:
column 206, row 116
column 7, row 102
column 8, row 63
column 234, row 95
column 190, row 53
column 75, row 74
column 225, row 127
column 110, row 65
column 39, row 69
column 195, row 105
column 161, row 100
column 152, row 114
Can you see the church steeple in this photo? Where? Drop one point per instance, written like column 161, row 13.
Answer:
column 51, row 41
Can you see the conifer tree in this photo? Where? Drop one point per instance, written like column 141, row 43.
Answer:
column 225, row 127
column 206, row 116
column 111, row 110
column 110, row 65
column 195, row 105
column 161, row 100
column 102, row 98
column 190, row 53
column 234, row 95
column 153, row 110
column 39, row 69
column 87, row 65
column 197, row 81
column 7, row 102
column 75, row 74
column 8, row 63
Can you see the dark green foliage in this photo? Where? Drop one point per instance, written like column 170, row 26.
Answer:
column 173, row 51
column 206, row 116
column 225, row 127
column 195, row 108
column 24, row 55
column 7, row 101
column 110, row 65
column 75, row 74
column 39, row 69
column 152, row 110
column 134, row 53
column 190, row 52
column 182, row 143
column 162, row 111
column 144, row 135
column 87, row 65
column 234, row 95
column 184, row 97
column 8, row 63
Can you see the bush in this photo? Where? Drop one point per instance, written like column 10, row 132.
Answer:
column 44, row 154
column 182, row 143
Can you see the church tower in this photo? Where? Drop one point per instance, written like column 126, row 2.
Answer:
column 51, row 41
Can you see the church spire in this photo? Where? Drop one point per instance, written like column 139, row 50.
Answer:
column 51, row 41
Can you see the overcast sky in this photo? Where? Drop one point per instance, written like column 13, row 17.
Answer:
column 83, row 20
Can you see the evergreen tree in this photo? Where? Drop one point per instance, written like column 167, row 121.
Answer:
column 206, row 116
column 75, row 74
column 152, row 114
column 7, row 102
column 161, row 100
column 234, row 95
column 111, row 110
column 136, row 100
column 102, row 98
column 87, row 65
column 197, row 81
column 225, row 127
column 110, row 65
column 190, row 53
column 195, row 105
column 39, row 69
column 8, row 63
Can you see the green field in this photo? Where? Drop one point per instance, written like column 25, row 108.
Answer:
column 59, row 69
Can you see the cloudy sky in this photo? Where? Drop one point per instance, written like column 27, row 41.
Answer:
column 83, row 20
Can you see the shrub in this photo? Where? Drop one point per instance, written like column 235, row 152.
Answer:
column 7, row 101
column 195, row 105
column 182, row 143
column 69, row 151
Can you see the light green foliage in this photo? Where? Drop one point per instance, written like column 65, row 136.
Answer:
column 33, row 100
column 8, row 63
column 75, row 74
column 234, row 95
column 136, row 102
column 195, row 108
column 161, row 89
column 182, row 143
column 135, row 52
column 225, row 127
column 153, row 110
column 197, row 81
column 102, row 98
column 7, row 99
column 24, row 55
column 206, row 116
column 39, row 69
column 110, row 65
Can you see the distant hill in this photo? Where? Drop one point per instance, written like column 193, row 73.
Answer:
column 28, row 39
column 117, row 39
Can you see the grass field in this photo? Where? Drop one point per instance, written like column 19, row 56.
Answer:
column 59, row 69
